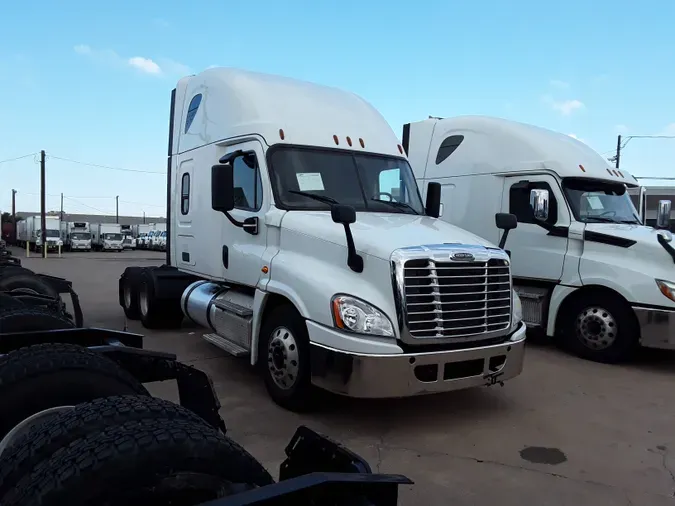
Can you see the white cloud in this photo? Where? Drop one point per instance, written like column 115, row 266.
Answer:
column 669, row 130
column 556, row 83
column 574, row 136
column 213, row 66
column 145, row 65
column 567, row 107
column 161, row 67
column 621, row 128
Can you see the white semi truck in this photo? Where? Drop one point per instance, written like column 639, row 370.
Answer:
column 76, row 235
column 284, row 245
column 588, row 272
column 29, row 232
column 106, row 237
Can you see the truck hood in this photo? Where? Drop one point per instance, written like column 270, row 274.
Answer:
column 645, row 238
column 379, row 234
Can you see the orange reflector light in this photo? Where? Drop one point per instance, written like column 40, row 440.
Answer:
column 400, row 149
column 582, row 168
column 349, row 140
column 281, row 134
column 265, row 269
column 335, row 138
column 363, row 144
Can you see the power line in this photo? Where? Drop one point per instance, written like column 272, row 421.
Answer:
column 124, row 169
column 17, row 158
column 87, row 205
column 142, row 204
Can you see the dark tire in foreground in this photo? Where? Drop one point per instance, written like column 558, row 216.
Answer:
column 283, row 357
column 146, row 461
column 84, row 419
column 600, row 327
column 15, row 318
column 44, row 376
column 27, row 282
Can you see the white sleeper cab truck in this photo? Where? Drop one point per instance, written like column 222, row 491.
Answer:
column 298, row 238
column 587, row 270
column 76, row 235
column 107, row 237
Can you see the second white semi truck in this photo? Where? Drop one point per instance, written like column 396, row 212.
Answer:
column 106, row 237
column 284, row 244
column 589, row 273
column 76, row 235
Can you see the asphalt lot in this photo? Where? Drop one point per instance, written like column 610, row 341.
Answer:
column 565, row 432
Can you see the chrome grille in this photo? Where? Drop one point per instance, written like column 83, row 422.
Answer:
column 457, row 299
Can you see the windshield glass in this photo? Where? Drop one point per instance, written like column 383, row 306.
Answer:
column 599, row 202
column 372, row 183
column 53, row 233
column 79, row 236
column 112, row 237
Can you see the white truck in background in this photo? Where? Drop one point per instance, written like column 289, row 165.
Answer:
column 29, row 232
column 127, row 236
column 139, row 231
column 284, row 244
column 154, row 240
column 76, row 235
column 106, row 237
column 657, row 196
column 588, row 272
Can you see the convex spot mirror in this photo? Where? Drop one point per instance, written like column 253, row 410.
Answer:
column 539, row 200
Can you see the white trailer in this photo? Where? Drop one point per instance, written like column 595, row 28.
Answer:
column 30, row 233
column 76, row 235
column 106, row 237
column 127, row 236
column 588, row 272
column 284, row 243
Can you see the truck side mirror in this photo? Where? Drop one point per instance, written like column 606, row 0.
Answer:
column 663, row 214
column 539, row 203
column 505, row 222
column 222, row 188
column 433, row 204
column 346, row 215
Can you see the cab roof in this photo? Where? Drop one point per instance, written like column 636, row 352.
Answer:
column 235, row 103
column 495, row 145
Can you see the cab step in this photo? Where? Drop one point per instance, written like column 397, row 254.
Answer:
column 226, row 345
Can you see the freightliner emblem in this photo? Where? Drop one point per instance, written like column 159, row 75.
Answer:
column 462, row 255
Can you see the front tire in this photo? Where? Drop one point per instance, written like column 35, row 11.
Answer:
column 601, row 328
column 284, row 359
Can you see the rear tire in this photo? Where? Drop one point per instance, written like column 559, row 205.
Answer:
column 26, row 281
column 156, row 313
column 600, row 327
column 147, row 461
column 44, row 376
column 128, row 292
column 30, row 318
column 283, row 358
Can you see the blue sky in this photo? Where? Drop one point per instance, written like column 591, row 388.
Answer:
column 91, row 81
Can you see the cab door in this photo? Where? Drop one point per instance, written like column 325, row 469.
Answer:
column 243, row 247
column 537, row 249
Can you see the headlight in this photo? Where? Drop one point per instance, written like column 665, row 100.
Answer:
column 355, row 315
column 517, row 309
column 667, row 288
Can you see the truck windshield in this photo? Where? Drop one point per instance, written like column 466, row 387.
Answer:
column 80, row 236
column 310, row 179
column 53, row 233
column 595, row 201
column 113, row 237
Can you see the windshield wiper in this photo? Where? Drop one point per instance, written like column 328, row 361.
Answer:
column 320, row 198
column 397, row 205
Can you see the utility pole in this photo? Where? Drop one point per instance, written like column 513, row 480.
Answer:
column 143, row 217
column 14, row 239
column 62, row 207
column 43, row 204
column 618, row 150
column 117, row 209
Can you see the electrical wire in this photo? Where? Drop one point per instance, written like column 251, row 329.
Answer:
column 18, row 158
column 124, row 169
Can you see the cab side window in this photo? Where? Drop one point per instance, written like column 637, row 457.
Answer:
column 519, row 202
column 185, row 194
column 247, row 183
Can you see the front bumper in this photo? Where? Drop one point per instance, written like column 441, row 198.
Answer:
column 409, row 374
column 657, row 327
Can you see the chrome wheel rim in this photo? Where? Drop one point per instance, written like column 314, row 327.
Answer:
column 596, row 328
column 282, row 358
column 23, row 427
column 127, row 296
column 143, row 300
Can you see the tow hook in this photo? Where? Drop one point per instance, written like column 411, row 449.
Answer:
column 493, row 378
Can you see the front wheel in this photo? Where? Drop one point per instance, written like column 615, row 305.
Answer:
column 283, row 357
column 602, row 328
